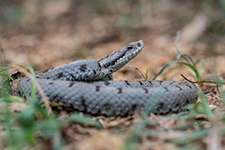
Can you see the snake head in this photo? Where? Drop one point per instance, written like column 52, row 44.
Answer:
column 121, row 57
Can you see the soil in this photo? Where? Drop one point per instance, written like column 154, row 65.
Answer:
column 44, row 34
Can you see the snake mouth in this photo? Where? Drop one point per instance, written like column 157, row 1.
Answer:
column 132, row 51
column 119, row 58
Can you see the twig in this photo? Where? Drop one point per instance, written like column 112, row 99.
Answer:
column 44, row 97
column 189, row 80
column 215, row 81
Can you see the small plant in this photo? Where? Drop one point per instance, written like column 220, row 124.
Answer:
column 36, row 124
column 33, row 123
column 188, row 62
column 138, row 130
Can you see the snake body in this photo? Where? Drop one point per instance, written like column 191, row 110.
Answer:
column 79, row 85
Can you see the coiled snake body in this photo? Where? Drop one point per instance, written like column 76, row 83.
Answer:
column 79, row 85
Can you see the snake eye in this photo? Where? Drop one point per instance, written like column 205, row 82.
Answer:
column 129, row 47
column 139, row 44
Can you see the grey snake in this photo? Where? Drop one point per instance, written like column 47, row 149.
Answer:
column 87, row 86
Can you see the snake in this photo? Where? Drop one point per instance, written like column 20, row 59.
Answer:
column 88, row 86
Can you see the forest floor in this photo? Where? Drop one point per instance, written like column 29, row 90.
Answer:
column 46, row 34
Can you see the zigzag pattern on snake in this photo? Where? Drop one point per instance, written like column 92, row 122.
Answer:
column 79, row 85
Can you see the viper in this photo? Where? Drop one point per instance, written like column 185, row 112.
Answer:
column 87, row 86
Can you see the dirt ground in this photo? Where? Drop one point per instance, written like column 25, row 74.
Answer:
column 44, row 34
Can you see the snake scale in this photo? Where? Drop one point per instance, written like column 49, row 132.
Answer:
column 80, row 85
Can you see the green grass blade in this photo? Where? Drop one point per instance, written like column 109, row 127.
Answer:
column 202, row 69
column 84, row 119
column 178, row 51
column 194, row 67
column 6, row 75
column 164, row 67
column 5, row 69
column 33, row 87
column 11, row 98
column 172, row 62
column 187, row 58
column 146, row 73
column 205, row 104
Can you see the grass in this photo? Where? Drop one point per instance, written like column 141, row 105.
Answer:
column 21, row 128
column 138, row 130
column 36, row 123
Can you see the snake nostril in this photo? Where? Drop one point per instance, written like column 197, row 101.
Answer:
column 129, row 47
column 139, row 44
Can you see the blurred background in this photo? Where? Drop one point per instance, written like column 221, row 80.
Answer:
column 47, row 33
